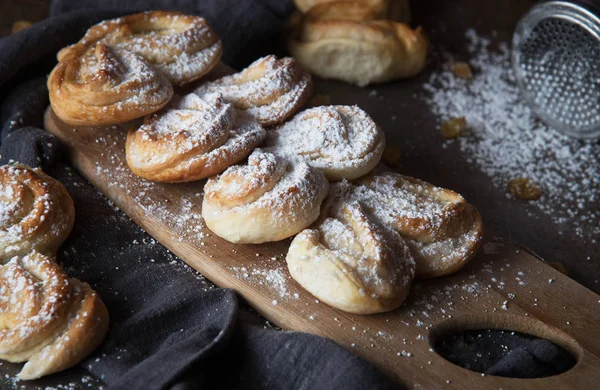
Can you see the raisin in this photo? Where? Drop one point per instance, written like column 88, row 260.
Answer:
column 524, row 188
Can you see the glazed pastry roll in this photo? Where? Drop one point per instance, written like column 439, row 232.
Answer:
column 441, row 228
column 182, row 47
column 352, row 263
column 97, row 85
column 266, row 199
column 49, row 321
column 341, row 141
column 270, row 89
column 192, row 139
column 360, row 52
column 36, row 211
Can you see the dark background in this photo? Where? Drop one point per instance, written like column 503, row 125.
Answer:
column 445, row 22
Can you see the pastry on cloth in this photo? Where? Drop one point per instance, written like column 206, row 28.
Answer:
column 97, row 85
column 192, row 139
column 48, row 320
column 36, row 211
column 442, row 230
column 341, row 141
column 398, row 10
column 270, row 89
column 266, row 199
column 352, row 263
column 182, row 47
column 360, row 52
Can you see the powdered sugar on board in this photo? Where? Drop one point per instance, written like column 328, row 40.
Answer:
column 507, row 141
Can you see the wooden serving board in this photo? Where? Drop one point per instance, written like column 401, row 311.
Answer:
column 504, row 287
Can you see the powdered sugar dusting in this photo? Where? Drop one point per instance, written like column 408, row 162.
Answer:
column 275, row 278
column 508, row 141
column 113, row 78
column 183, row 47
column 32, row 212
column 204, row 132
column 283, row 189
column 335, row 139
column 269, row 89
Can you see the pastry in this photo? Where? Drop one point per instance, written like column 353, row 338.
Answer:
column 442, row 230
column 270, row 89
column 182, row 47
column 360, row 52
column 49, row 320
column 341, row 141
column 33, row 291
column 398, row 10
column 193, row 138
column 96, row 85
column 352, row 263
column 36, row 211
column 266, row 199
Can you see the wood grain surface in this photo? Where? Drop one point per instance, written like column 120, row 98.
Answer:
column 504, row 287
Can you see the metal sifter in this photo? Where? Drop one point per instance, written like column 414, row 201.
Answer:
column 556, row 60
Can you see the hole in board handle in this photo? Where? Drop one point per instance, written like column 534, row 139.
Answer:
column 507, row 322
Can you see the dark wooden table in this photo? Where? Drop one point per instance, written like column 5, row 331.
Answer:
column 415, row 130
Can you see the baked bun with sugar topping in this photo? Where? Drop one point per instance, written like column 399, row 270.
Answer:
column 50, row 321
column 398, row 10
column 270, row 89
column 36, row 211
column 352, row 263
column 266, row 199
column 182, row 47
column 342, row 141
column 359, row 52
column 97, row 85
column 192, row 139
column 442, row 230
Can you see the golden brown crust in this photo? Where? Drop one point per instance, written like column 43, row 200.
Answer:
column 360, row 52
column 449, row 255
column 267, row 199
column 398, row 10
column 442, row 230
column 352, row 263
column 442, row 210
column 84, row 327
column 36, row 211
column 96, row 86
column 33, row 291
column 342, row 10
column 48, row 320
column 269, row 89
column 192, row 139
column 183, row 47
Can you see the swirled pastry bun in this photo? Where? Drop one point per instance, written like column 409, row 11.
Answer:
column 266, row 199
column 192, row 139
column 49, row 321
column 360, row 52
column 352, row 263
column 98, row 86
column 269, row 89
column 36, row 211
column 442, row 230
column 342, row 141
column 182, row 47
